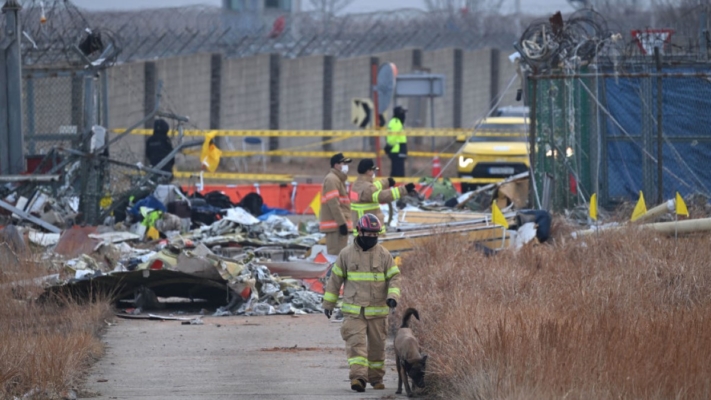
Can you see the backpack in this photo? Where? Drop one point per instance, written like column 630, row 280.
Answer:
column 252, row 202
column 219, row 200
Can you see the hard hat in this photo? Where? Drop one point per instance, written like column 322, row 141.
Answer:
column 369, row 223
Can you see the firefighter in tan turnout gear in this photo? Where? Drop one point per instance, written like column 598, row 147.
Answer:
column 371, row 287
column 335, row 217
column 367, row 193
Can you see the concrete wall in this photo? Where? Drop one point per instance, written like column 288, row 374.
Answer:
column 442, row 62
column 308, row 93
column 476, row 91
column 126, row 91
column 507, row 69
column 301, row 93
column 186, row 87
column 126, row 107
column 245, row 93
column 351, row 79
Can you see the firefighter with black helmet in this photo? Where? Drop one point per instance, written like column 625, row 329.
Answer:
column 371, row 288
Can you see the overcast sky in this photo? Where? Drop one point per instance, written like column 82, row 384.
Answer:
column 358, row 6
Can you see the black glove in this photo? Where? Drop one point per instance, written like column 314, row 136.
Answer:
column 328, row 313
column 391, row 303
column 410, row 187
column 343, row 229
column 391, row 182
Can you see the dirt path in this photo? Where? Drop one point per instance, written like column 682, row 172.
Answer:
column 275, row 357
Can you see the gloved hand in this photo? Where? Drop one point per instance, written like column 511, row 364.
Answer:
column 328, row 313
column 343, row 230
column 391, row 303
column 410, row 187
column 391, row 182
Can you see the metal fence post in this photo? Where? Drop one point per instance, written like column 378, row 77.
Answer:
column 660, row 143
column 274, row 76
column 104, row 121
column 30, row 98
column 11, row 130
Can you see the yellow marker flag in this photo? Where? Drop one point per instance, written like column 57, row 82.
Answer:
column 315, row 204
column 681, row 206
column 593, row 207
column 497, row 216
column 640, row 209
column 210, row 154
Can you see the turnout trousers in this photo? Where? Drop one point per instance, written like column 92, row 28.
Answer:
column 365, row 346
column 335, row 242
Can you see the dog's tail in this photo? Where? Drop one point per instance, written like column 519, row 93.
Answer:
column 406, row 318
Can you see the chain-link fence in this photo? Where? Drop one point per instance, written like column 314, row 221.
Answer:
column 599, row 131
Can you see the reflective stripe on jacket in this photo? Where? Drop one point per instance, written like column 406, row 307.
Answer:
column 335, row 204
column 369, row 278
column 393, row 139
column 367, row 194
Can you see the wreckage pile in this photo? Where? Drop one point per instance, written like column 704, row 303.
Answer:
column 246, row 259
column 248, row 265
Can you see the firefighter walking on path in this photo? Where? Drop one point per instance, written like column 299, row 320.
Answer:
column 371, row 288
column 367, row 193
column 335, row 217
column 396, row 146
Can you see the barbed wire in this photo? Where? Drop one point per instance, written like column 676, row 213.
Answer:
column 51, row 28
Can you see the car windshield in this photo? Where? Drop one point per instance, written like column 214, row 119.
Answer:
column 499, row 133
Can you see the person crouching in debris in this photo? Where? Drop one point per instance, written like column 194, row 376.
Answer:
column 158, row 146
column 335, row 217
column 367, row 193
column 371, row 288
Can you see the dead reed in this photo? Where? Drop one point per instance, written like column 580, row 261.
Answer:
column 45, row 346
column 619, row 315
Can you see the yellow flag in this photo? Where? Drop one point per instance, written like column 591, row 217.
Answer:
column 640, row 209
column 315, row 204
column 593, row 207
column 210, row 154
column 681, row 206
column 497, row 216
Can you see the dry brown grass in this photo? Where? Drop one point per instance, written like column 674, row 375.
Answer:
column 44, row 346
column 620, row 315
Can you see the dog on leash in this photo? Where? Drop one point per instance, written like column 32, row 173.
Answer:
column 410, row 361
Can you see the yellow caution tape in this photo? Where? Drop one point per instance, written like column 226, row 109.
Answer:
column 285, row 133
column 319, row 154
column 235, row 176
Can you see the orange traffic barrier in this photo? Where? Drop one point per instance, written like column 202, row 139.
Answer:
column 292, row 197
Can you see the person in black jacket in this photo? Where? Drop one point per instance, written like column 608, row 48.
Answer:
column 158, row 146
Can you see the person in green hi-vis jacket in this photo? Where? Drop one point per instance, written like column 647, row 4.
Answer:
column 396, row 147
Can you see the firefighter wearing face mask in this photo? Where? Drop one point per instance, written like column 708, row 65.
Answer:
column 367, row 193
column 335, row 217
column 371, row 288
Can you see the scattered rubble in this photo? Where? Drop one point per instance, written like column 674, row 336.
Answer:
column 227, row 258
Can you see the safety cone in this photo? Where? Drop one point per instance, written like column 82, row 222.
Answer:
column 436, row 167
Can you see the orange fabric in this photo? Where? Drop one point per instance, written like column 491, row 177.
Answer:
column 334, row 224
column 279, row 196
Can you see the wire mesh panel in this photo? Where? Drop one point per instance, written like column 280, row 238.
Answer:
column 53, row 111
column 619, row 113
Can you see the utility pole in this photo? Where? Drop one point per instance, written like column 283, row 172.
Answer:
column 12, row 149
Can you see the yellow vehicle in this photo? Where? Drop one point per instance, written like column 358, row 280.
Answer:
column 497, row 149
